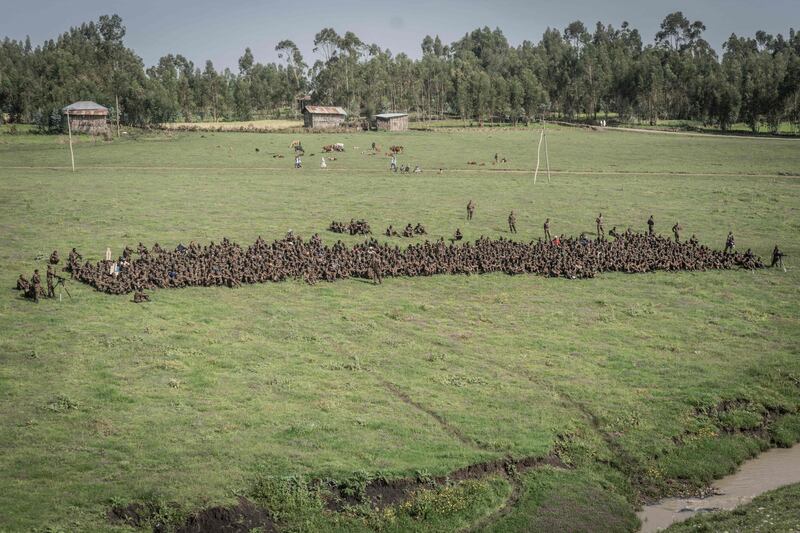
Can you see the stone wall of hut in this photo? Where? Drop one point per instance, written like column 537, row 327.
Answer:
column 322, row 121
column 89, row 124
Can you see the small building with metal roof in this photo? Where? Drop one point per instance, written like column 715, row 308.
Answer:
column 86, row 117
column 391, row 121
column 321, row 117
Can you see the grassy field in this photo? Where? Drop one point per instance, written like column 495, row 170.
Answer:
column 634, row 386
column 260, row 125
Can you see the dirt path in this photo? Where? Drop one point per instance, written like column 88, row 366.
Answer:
column 504, row 510
column 424, row 174
column 445, row 425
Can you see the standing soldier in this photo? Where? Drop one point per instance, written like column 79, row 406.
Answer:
column 730, row 243
column 676, row 229
column 73, row 259
column 599, row 223
column 36, row 286
column 547, row 236
column 777, row 257
column 375, row 268
column 54, row 259
column 470, row 209
column 650, row 224
column 51, row 293
column 512, row 222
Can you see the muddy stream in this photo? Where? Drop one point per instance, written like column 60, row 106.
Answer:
column 770, row 470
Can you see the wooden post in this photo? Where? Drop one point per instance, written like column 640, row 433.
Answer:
column 71, row 153
column 538, row 153
column 546, row 154
column 117, row 97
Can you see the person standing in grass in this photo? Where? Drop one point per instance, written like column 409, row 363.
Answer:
column 375, row 268
column 470, row 209
column 599, row 224
column 512, row 222
column 547, row 236
column 36, row 286
column 730, row 243
column 298, row 163
column 676, row 230
column 777, row 257
column 51, row 293
column 650, row 224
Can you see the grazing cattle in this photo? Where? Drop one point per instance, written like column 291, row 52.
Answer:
column 338, row 147
column 295, row 143
column 396, row 149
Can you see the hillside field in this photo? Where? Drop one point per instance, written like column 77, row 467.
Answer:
column 601, row 394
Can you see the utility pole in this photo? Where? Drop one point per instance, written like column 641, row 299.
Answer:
column 542, row 137
column 69, row 129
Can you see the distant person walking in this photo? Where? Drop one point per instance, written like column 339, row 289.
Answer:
column 547, row 236
column 470, row 209
column 298, row 163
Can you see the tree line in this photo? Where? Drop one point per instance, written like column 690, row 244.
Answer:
column 574, row 72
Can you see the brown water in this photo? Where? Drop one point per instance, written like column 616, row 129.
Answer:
column 770, row 470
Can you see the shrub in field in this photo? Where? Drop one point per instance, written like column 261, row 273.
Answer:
column 287, row 498
column 62, row 404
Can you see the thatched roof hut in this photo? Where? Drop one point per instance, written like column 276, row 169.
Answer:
column 86, row 117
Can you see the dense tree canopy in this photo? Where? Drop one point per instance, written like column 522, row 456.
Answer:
column 479, row 77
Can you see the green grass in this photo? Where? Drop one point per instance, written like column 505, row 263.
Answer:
column 776, row 511
column 200, row 394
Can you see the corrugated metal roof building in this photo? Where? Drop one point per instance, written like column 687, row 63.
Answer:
column 86, row 117
column 320, row 117
column 392, row 121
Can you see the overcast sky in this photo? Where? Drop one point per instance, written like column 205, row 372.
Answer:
column 221, row 29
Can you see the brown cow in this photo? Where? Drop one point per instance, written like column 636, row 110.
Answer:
column 396, row 149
